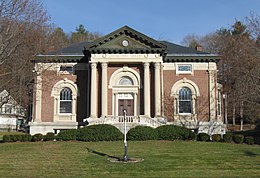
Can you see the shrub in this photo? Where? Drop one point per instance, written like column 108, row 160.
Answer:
column 101, row 132
column 203, row 137
column 228, row 138
column 26, row 138
column 7, row 138
column 249, row 140
column 67, row 135
column 37, row 137
column 173, row 132
column 15, row 138
column 257, row 140
column 238, row 138
column 142, row 133
column 216, row 137
column 49, row 136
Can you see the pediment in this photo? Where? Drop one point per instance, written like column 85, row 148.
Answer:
column 125, row 40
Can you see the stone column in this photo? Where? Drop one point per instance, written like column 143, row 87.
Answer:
column 104, row 89
column 93, row 105
column 38, row 99
column 157, row 89
column 212, row 94
column 146, row 89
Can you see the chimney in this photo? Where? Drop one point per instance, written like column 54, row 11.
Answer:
column 199, row 48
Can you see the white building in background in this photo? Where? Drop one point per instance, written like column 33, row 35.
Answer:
column 12, row 115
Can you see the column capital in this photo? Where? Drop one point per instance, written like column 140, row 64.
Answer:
column 93, row 65
column 146, row 64
column 104, row 65
column 157, row 65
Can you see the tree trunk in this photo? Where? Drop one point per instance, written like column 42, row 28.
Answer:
column 234, row 114
column 241, row 115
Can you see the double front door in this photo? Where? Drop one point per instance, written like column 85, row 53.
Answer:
column 126, row 103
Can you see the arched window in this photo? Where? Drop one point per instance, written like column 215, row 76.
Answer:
column 185, row 100
column 66, row 100
column 125, row 81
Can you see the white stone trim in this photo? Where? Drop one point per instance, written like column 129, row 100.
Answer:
column 131, row 89
column 38, row 99
column 126, row 57
column 45, row 127
column 62, row 117
column 157, row 89
column 195, row 66
column 147, row 96
column 125, row 71
column 93, row 100
column 104, row 89
column 185, row 83
column 175, row 93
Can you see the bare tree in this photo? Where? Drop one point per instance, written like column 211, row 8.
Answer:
column 23, row 25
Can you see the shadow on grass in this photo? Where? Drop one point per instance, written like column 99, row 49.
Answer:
column 101, row 154
column 251, row 154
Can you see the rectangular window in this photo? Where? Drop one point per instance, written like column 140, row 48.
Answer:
column 184, row 69
column 66, row 69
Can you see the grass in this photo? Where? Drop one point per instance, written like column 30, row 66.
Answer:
column 161, row 159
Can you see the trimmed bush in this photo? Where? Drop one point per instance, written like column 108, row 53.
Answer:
column 228, row 138
column 15, row 138
column 238, row 138
column 26, row 138
column 37, row 137
column 101, row 132
column 249, row 140
column 216, row 137
column 203, row 137
column 49, row 136
column 173, row 132
column 67, row 135
column 7, row 138
column 142, row 133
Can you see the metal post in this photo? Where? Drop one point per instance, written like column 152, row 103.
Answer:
column 125, row 142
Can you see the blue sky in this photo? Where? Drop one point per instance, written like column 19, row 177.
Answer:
column 168, row 20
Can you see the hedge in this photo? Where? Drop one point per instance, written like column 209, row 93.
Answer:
column 67, row 135
column 17, row 137
column 238, row 138
column 37, row 137
column 228, row 138
column 203, row 137
column 216, row 137
column 101, row 132
column 49, row 136
column 249, row 140
column 173, row 132
column 142, row 133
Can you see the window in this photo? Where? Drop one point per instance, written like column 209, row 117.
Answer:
column 184, row 69
column 125, row 81
column 66, row 101
column 185, row 100
column 66, row 69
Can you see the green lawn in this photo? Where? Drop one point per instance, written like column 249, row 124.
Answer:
column 161, row 159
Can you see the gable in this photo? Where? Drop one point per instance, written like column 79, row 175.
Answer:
column 125, row 40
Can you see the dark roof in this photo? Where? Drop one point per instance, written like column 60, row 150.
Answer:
column 172, row 52
column 178, row 49
column 75, row 49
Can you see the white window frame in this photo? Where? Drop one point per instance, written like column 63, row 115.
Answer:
column 71, row 101
column 184, row 72
column 66, row 72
